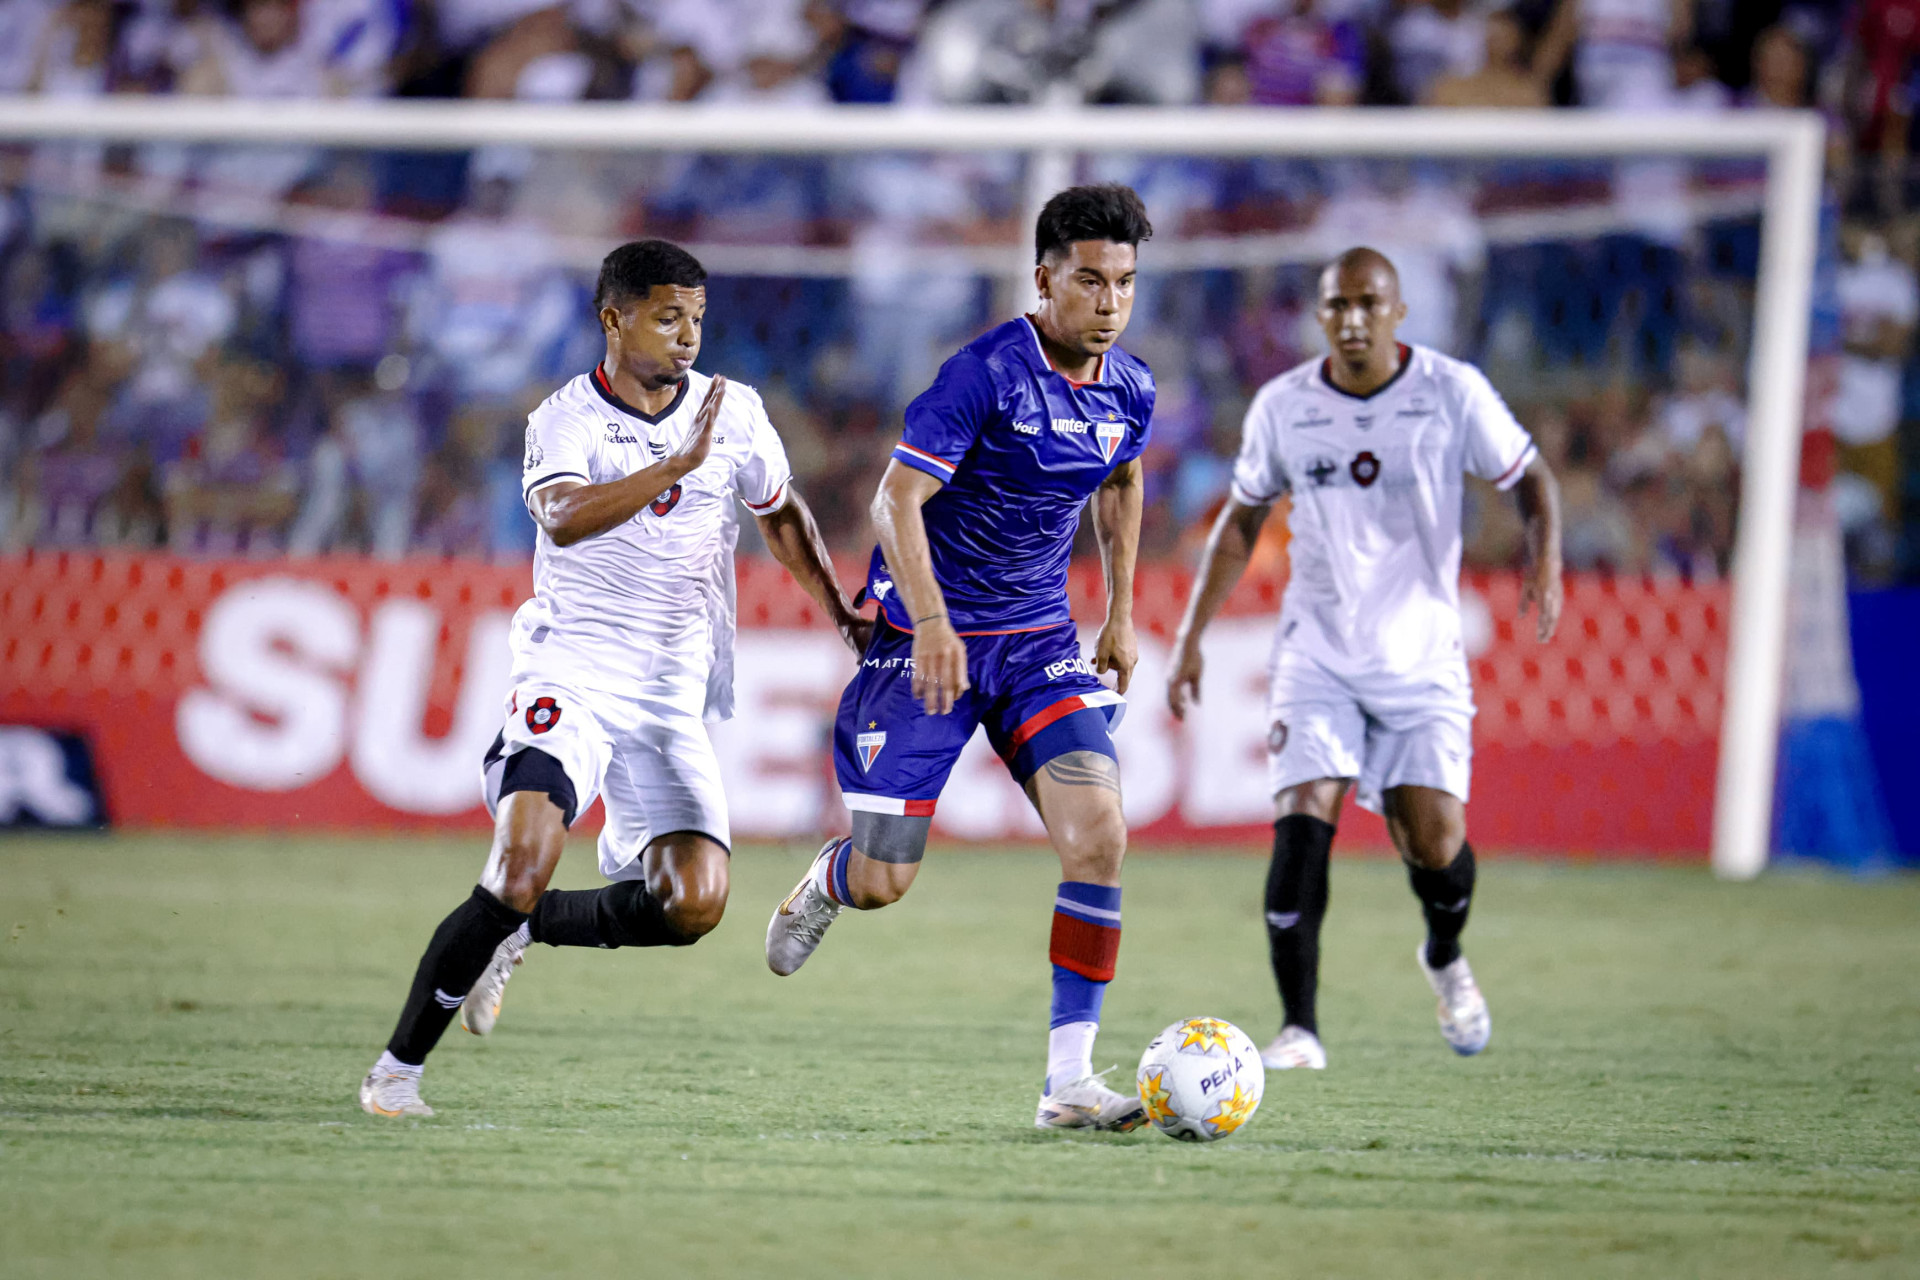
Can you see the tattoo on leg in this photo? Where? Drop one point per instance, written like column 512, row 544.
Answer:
column 1084, row 769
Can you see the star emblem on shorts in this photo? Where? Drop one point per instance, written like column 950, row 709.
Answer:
column 873, row 724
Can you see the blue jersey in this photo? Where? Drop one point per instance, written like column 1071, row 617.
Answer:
column 1020, row 448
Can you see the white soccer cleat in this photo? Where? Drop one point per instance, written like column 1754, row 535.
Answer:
column 391, row 1094
column 801, row 921
column 481, row 1009
column 1294, row 1047
column 1464, row 1019
column 1087, row 1103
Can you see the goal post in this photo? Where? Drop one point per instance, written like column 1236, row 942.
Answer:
column 1791, row 143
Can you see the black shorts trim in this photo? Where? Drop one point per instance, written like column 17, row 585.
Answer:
column 531, row 769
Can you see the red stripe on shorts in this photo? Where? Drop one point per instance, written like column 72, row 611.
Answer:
column 1035, row 723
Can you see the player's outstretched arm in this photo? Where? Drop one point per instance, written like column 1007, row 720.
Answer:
column 794, row 539
column 1539, row 495
column 572, row 512
column 939, row 655
column 1116, row 526
column 1229, row 548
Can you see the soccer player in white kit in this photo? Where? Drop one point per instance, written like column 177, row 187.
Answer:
column 1369, row 681
column 625, row 649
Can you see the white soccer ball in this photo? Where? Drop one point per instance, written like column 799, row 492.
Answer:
column 1201, row 1079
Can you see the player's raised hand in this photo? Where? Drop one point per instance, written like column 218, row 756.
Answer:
column 939, row 664
column 1117, row 651
column 703, row 421
column 1183, row 682
column 1542, row 586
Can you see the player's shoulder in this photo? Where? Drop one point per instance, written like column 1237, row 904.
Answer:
column 741, row 396
column 1001, row 352
column 1128, row 370
column 576, row 400
column 1276, row 392
column 1444, row 372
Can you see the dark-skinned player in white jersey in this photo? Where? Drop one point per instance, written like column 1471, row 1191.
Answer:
column 1370, row 687
column 632, row 471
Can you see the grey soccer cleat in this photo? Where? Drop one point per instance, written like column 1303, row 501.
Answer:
column 1293, row 1048
column 1464, row 1019
column 392, row 1094
column 801, row 921
column 481, row 1009
column 1087, row 1103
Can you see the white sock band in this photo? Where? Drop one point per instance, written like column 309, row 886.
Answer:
column 1070, row 1052
column 390, row 1065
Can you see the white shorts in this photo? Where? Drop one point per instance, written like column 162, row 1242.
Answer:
column 1384, row 730
column 648, row 756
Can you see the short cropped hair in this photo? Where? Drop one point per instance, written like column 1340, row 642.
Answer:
column 630, row 272
column 1107, row 211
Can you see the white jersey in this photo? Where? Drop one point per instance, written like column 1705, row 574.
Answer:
column 652, row 598
column 1377, row 485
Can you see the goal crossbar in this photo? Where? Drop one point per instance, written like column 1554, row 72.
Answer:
column 1790, row 141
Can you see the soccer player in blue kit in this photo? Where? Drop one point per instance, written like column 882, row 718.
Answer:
column 976, row 517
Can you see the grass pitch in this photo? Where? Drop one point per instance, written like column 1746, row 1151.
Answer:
column 1686, row 1079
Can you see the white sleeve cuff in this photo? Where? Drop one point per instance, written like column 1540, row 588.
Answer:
column 1511, row 476
column 771, row 505
column 1246, row 499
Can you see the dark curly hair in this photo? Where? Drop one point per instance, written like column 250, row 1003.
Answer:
column 1107, row 211
column 631, row 271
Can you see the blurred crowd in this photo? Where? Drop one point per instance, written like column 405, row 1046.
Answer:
column 270, row 350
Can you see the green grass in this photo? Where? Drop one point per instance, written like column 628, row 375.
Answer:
column 1686, row 1079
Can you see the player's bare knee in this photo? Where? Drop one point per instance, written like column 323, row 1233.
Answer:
column 1320, row 799
column 1435, row 850
column 887, row 849
column 1094, row 847
column 875, row 884
column 1435, row 837
column 695, row 913
column 524, row 872
column 521, row 865
column 688, row 874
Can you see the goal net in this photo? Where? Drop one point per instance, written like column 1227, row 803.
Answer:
column 264, row 457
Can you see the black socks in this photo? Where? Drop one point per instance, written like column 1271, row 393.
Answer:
column 623, row 914
column 461, row 948
column 1445, row 897
column 1296, row 904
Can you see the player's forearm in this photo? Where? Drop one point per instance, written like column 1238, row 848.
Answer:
column 1229, row 551
column 903, row 542
column 793, row 536
column 572, row 513
column 1539, row 497
column 1116, row 526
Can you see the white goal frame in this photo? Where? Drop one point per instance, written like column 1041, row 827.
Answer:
column 1790, row 142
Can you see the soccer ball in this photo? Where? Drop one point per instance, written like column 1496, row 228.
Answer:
column 1201, row 1079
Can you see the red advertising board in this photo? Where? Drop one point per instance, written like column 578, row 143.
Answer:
column 341, row 693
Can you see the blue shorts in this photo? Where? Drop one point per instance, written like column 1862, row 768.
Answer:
column 1033, row 690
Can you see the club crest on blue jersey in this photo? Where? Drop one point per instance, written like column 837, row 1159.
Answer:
column 870, row 745
column 1109, row 434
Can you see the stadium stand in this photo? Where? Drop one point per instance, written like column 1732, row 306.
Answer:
column 248, row 352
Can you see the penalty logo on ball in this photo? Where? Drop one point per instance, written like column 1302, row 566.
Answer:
column 1201, row 1080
